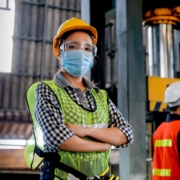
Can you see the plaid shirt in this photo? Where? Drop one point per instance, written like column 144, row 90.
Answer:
column 51, row 120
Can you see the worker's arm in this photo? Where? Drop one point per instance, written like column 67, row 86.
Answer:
column 78, row 144
column 122, row 129
column 119, row 133
column 111, row 135
column 56, row 135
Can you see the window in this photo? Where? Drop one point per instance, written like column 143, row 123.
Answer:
column 7, row 8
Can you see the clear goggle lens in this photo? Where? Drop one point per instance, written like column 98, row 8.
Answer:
column 78, row 45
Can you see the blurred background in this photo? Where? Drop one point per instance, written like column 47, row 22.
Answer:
column 139, row 56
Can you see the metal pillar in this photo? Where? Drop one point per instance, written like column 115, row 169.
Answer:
column 85, row 15
column 161, row 53
column 44, row 39
column 85, row 11
column 132, row 86
column 177, row 53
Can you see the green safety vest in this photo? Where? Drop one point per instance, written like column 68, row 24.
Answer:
column 89, row 163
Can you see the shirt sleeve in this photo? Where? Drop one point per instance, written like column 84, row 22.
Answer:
column 117, row 119
column 50, row 118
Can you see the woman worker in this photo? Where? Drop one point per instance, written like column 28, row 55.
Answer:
column 77, row 119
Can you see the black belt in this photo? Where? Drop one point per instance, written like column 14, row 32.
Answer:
column 53, row 160
column 66, row 169
column 75, row 172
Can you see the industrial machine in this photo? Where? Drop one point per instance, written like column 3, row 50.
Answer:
column 161, row 23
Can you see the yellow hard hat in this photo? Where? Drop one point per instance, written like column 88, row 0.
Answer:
column 73, row 24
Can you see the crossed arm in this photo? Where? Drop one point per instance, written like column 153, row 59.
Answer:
column 106, row 137
column 70, row 137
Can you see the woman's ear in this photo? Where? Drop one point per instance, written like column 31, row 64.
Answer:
column 58, row 53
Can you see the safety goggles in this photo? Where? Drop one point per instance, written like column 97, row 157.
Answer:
column 78, row 45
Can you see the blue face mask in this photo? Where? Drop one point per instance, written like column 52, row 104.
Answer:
column 77, row 62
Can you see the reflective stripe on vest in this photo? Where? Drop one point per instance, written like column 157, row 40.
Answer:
column 163, row 143
column 161, row 172
column 89, row 163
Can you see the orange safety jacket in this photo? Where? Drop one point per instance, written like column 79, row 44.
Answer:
column 166, row 160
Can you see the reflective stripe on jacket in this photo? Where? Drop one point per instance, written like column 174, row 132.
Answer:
column 166, row 162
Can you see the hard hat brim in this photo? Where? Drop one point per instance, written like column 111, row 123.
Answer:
column 89, row 28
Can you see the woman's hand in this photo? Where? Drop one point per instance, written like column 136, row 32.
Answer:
column 77, row 144
column 111, row 135
column 106, row 147
column 78, row 130
column 81, row 131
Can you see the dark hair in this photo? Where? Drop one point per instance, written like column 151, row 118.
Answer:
column 65, row 35
column 174, row 108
